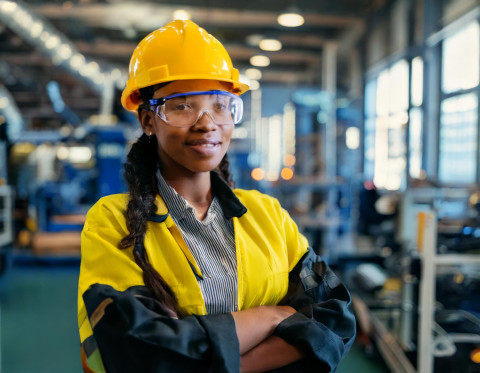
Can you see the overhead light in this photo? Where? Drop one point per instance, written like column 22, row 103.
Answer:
column 64, row 51
column 257, row 174
column 475, row 355
column 130, row 32
column 271, row 45
column 8, row 6
column 254, row 39
column 286, row 173
column 181, row 14
column 254, row 74
column 116, row 74
column 291, row 18
column 352, row 138
column 260, row 61
column 52, row 42
column 45, row 36
column 3, row 102
column 77, row 61
column 90, row 69
column 36, row 29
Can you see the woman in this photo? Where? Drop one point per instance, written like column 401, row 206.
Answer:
column 184, row 274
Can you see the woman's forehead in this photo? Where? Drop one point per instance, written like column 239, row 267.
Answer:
column 184, row 86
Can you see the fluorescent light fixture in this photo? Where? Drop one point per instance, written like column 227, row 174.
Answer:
column 253, row 74
column 260, row 61
column 181, row 14
column 291, row 18
column 271, row 45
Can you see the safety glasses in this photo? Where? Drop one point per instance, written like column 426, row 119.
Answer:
column 186, row 109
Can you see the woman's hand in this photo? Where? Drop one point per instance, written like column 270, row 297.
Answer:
column 256, row 324
column 271, row 354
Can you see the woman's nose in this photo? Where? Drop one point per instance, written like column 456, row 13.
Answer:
column 205, row 121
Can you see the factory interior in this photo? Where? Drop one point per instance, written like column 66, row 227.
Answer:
column 362, row 119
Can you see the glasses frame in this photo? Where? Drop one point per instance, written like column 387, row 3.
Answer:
column 161, row 101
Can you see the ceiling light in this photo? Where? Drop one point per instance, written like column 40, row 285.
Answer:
column 45, row 36
column 181, row 14
column 291, row 18
column 91, row 68
column 26, row 21
column 257, row 174
column 116, row 74
column 52, row 42
column 65, row 52
column 254, row 74
column 254, row 39
column 260, row 61
column 8, row 6
column 287, row 173
column 270, row 45
column 130, row 32
column 77, row 61
column 3, row 102
column 36, row 29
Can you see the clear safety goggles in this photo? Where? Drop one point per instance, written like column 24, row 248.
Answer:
column 186, row 109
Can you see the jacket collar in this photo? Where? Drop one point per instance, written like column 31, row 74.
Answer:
column 231, row 205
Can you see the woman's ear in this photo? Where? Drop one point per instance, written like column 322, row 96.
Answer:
column 147, row 122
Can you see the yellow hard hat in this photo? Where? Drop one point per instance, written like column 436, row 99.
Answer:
column 181, row 50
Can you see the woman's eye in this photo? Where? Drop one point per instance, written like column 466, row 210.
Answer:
column 220, row 106
column 181, row 107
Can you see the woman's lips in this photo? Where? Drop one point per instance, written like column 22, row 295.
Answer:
column 204, row 147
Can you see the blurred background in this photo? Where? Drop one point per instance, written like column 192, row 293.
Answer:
column 362, row 119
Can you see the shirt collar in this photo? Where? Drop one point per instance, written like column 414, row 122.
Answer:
column 229, row 202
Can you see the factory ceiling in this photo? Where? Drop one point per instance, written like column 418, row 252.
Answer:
column 106, row 31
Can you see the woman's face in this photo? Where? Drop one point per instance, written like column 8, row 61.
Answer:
column 195, row 149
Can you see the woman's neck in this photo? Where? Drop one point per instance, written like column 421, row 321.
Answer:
column 196, row 188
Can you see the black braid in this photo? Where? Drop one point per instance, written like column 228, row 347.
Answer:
column 224, row 169
column 140, row 168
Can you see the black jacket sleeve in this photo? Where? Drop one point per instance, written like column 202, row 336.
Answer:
column 324, row 324
column 134, row 334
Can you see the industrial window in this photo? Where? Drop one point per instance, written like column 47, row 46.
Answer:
column 458, row 151
column 458, row 139
column 460, row 60
column 385, row 128
column 415, row 127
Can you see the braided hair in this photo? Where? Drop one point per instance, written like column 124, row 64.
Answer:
column 140, row 169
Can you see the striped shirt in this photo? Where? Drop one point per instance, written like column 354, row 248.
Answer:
column 212, row 244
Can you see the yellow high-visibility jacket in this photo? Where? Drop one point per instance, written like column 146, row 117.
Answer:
column 268, row 247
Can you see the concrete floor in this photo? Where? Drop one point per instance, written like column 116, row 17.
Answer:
column 39, row 327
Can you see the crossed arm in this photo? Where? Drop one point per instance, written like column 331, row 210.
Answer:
column 261, row 351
